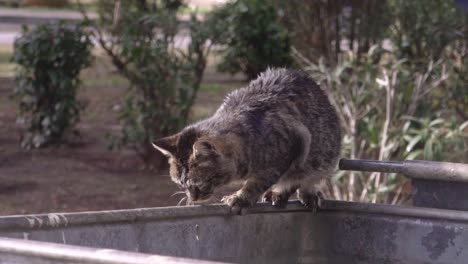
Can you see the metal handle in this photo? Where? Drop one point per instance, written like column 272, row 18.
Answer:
column 371, row 165
column 445, row 171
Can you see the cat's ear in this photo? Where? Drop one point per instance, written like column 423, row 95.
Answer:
column 204, row 148
column 167, row 145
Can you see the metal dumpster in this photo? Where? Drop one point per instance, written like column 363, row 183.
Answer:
column 341, row 232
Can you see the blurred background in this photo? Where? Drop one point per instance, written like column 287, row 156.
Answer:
column 85, row 85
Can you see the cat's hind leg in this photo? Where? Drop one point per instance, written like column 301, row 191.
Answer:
column 309, row 192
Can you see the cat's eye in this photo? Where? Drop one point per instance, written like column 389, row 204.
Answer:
column 199, row 165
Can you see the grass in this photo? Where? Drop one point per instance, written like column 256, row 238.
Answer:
column 6, row 67
column 99, row 74
column 212, row 88
column 197, row 10
column 110, row 80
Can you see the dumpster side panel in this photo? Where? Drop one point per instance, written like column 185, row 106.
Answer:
column 282, row 237
column 26, row 252
column 440, row 194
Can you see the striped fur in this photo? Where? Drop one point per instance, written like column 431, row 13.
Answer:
column 280, row 133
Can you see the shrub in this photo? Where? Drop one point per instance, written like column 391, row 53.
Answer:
column 385, row 107
column 49, row 58
column 327, row 28
column 453, row 94
column 252, row 37
column 164, row 76
column 402, row 97
column 416, row 29
column 421, row 30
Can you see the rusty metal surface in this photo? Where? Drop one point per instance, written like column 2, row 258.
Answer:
column 429, row 170
column 440, row 185
column 440, row 194
column 341, row 232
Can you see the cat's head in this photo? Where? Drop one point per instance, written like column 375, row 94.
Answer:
column 198, row 163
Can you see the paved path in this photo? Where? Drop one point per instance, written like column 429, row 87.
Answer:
column 7, row 37
column 11, row 19
column 39, row 13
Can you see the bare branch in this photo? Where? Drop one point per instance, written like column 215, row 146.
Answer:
column 116, row 14
column 397, row 195
column 390, row 90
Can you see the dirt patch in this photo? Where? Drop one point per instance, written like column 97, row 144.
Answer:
column 16, row 186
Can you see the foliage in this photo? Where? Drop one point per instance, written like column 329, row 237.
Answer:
column 402, row 97
column 164, row 76
column 417, row 29
column 49, row 58
column 454, row 94
column 384, row 105
column 252, row 37
column 439, row 139
column 423, row 29
column 434, row 30
column 327, row 28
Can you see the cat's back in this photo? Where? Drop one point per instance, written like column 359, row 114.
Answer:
column 274, row 87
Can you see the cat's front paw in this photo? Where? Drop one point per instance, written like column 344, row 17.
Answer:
column 267, row 197
column 236, row 202
column 277, row 199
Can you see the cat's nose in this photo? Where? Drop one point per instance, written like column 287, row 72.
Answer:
column 194, row 193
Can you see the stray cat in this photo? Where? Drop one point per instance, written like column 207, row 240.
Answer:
column 279, row 134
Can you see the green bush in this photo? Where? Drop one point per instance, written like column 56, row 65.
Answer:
column 454, row 94
column 252, row 36
column 417, row 29
column 397, row 78
column 422, row 29
column 329, row 27
column 434, row 30
column 386, row 110
column 164, row 76
column 49, row 58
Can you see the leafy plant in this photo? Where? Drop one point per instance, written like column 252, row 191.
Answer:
column 251, row 35
column 421, row 30
column 437, row 139
column 454, row 95
column 49, row 58
column 416, row 29
column 402, row 98
column 384, row 105
column 329, row 27
column 141, row 39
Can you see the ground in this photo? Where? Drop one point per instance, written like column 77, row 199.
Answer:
column 87, row 175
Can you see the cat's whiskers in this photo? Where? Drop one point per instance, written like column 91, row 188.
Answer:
column 177, row 193
column 182, row 200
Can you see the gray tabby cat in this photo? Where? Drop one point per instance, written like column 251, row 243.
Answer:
column 277, row 135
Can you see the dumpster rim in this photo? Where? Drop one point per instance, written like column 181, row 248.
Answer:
column 59, row 220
